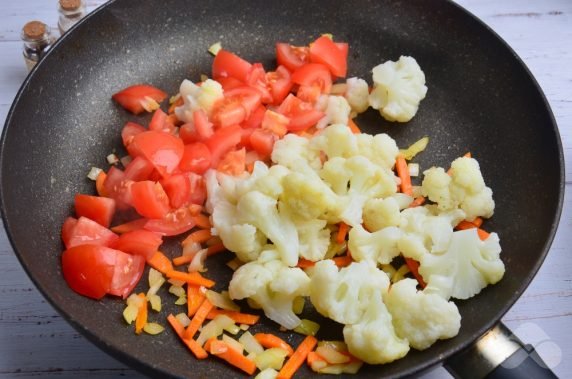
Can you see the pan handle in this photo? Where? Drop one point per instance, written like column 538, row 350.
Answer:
column 498, row 354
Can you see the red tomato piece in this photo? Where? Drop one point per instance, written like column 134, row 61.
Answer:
column 326, row 52
column 160, row 122
column 129, row 131
column 178, row 189
column 233, row 163
column 313, row 74
column 196, row 158
column 127, row 273
column 223, row 140
column 89, row 269
column 304, row 119
column 276, row 123
column 245, row 137
column 163, row 150
column 229, row 83
column 149, row 199
column 280, row 83
column 174, row 223
column 257, row 80
column 139, row 242
column 138, row 169
column 262, row 141
column 97, row 208
column 255, row 119
column 188, row 133
column 236, row 106
column 292, row 57
column 227, row 64
column 203, row 127
column 309, row 94
column 67, row 229
column 198, row 189
column 87, row 231
column 138, row 97
column 118, row 187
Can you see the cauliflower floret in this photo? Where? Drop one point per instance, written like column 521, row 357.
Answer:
column 373, row 338
column 469, row 263
column 273, row 286
column 398, row 89
column 244, row 240
column 377, row 247
column 261, row 210
column 381, row 149
column 420, row 317
column 196, row 97
column 336, row 141
column 357, row 94
column 292, row 148
column 381, row 213
column 345, row 295
column 357, row 179
column 336, row 110
column 314, row 239
column 464, row 188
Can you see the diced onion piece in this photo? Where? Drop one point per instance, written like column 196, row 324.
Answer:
column 215, row 48
column 112, row 159
column 191, row 248
column 251, row 356
column 339, row 346
column 130, row 313
column 234, row 264
column 329, row 35
column 415, row 148
column 234, row 344
column 177, row 291
column 149, row 104
column 176, row 282
column 335, row 248
column 352, row 367
column 174, row 98
column 244, row 326
column 268, row 373
column 339, row 89
column 156, row 280
column 332, row 369
column 204, row 77
column 270, row 358
column 155, row 302
column 318, row 365
column 125, row 160
column 182, row 300
column 251, row 345
column 389, row 270
column 298, row 305
column 233, row 329
column 222, row 300
column 153, row 328
column 134, row 300
column 214, row 328
column 400, row 274
column 94, row 173
column 198, row 262
column 307, row 327
column 183, row 319
column 413, row 169
column 332, row 356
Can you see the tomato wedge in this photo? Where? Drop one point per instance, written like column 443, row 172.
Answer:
column 233, row 163
column 313, row 74
column 149, row 199
column 128, row 271
column 86, row 231
column 129, row 131
column 262, row 141
column 118, row 187
column 138, row 98
column 280, row 83
column 325, row 51
column 227, row 64
column 89, row 269
column 302, row 115
column 257, row 80
column 203, row 127
column 223, row 140
column 163, row 150
column 236, row 106
column 67, row 229
column 178, row 189
column 196, row 158
column 160, row 122
column 174, row 223
column 139, row 242
column 97, row 208
column 292, row 57
column 138, row 169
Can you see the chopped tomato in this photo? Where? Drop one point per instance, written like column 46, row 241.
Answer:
column 236, row 106
column 173, row 223
column 262, row 142
column 198, row 189
column 280, row 83
column 160, row 122
column 118, row 187
column 129, row 131
column 223, row 140
column 255, row 119
column 139, row 242
column 139, row 97
column 138, row 169
column 86, row 231
column 227, row 64
column 233, row 163
column 128, row 271
column 203, row 127
column 326, row 52
column 97, row 208
column 275, row 123
column 67, row 229
column 292, row 57
column 257, row 80
column 302, row 115
column 129, row 226
column 229, row 83
column 89, row 269
column 313, row 74
column 196, row 158
column 149, row 199
column 188, row 133
column 178, row 189
column 163, row 150
column 309, row 94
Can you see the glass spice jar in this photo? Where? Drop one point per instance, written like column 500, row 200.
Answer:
column 37, row 38
column 71, row 11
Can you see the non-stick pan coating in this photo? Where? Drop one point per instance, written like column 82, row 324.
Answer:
column 481, row 99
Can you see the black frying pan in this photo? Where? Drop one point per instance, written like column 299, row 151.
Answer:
column 481, row 99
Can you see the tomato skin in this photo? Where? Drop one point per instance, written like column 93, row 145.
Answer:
column 196, row 158
column 280, row 83
column 257, row 80
column 203, row 127
column 178, row 189
column 129, row 131
column 131, row 98
column 163, row 150
column 227, row 64
column 97, row 208
column 188, row 133
column 149, row 199
column 236, row 106
column 326, row 52
column 128, row 271
column 233, row 163
column 118, row 187
column 87, row 231
column 313, row 74
column 262, row 142
column 89, row 269
column 229, row 83
column 138, row 169
column 255, row 119
column 302, row 115
column 160, row 122
column 292, row 57
column 174, row 223
column 223, row 140
column 139, row 242
column 67, row 229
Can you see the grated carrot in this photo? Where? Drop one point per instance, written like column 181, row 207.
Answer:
column 200, row 236
column 160, row 262
column 238, row 317
column 198, row 319
column 224, row 351
column 216, row 248
column 270, row 340
column 298, row 358
column 403, row 173
column 99, row 184
column 413, row 266
column 343, row 229
column 195, row 298
column 353, row 126
column 141, row 318
column 190, row 277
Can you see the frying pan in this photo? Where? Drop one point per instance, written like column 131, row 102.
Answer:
column 481, row 99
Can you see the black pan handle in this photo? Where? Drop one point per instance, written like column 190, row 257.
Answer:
column 499, row 354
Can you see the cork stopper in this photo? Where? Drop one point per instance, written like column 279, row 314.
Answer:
column 70, row 5
column 34, row 30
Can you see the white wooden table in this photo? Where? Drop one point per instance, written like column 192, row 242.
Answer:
column 36, row 341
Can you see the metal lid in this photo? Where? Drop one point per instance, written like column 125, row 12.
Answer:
column 70, row 5
column 34, row 30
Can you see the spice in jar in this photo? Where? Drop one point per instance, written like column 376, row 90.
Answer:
column 71, row 11
column 37, row 38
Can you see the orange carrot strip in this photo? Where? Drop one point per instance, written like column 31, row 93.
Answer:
column 403, row 173
column 417, row 202
column 298, row 358
column 304, row 263
column 183, row 259
column 129, row 226
column 99, row 183
column 353, row 126
column 464, row 225
column 343, row 261
column 190, row 277
column 343, row 229
column 193, row 346
column 198, row 319
column 270, row 340
column 216, row 248
column 176, row 325
column 414, row 268
column 238, row 317
column 176, row 103
column 160, row 262
column 478, row 222
column 141, row 318
column 200, row 236
column 222, row 350
column 195, row 298
column 483, row 234
column 203, row 221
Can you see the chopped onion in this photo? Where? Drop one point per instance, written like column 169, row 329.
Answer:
column 94, row 173
column 156, row 280
column 318, row 365
column 233, row 329
column 244, row 326
column 181, row 300
column 191, row 248
column 112, row 159
column 177, row 283
column 415, row 148
column 222, row 300
column 251, row 345
column 153, row 328
column 339, row 346
column 198, row 262
column 332, row 369
column 215, row 48
column 130, row 313
column 234, row 344
column 270, row 358
column 268, row 373
column 155, row 302
column 307, row 327
column 413, row 169
column 331, row 355
column 298, row 305
column 134, row 300
column 352, row 367
column 234, row 264
column 174, row 98
column 389, row 270
column 400, row 274
column 214, row 328
column 177, row 291
column 183, row 319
